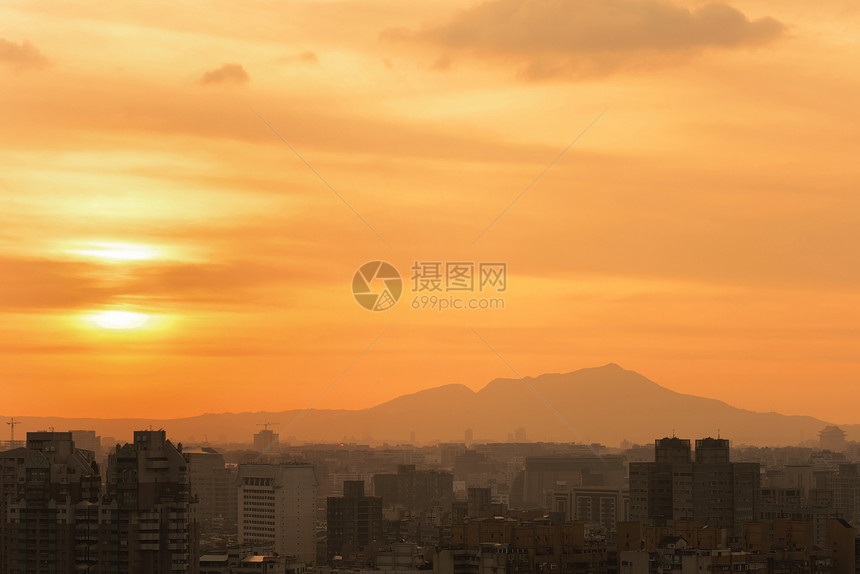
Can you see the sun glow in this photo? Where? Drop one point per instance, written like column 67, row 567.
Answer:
column 120, row 319
column 117, row 251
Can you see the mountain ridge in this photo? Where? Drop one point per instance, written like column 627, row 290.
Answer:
column 606, row 404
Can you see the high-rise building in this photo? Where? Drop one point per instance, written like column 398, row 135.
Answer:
column 56, row 517
column 841, row 539
column 713, row 484
column 145, row 522
column 213, row 485
column 601, row 506
column 354, row 520
column 543, row 474
column 846, row 491
column 87, row 440
column 478, row 500
column 672, row 450
column 662, row 491
column 710, row 489
column 277, row 505
column 266, row 440
column 448, row 452
column 415, row 490
column 49, row 492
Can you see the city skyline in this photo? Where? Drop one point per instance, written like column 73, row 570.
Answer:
column 153, row 504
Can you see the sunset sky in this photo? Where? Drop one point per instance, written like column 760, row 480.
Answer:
column 703, row 231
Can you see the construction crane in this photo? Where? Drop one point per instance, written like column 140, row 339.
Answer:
column 267, row 424
column 12, row 422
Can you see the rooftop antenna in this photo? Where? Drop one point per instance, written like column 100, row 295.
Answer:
column 12, row 422
column 267, row 424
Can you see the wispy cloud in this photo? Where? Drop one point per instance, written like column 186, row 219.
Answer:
column 30, row 285
column 306, row 57
column 47, row 285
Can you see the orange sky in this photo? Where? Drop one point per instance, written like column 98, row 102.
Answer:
column 703, row 232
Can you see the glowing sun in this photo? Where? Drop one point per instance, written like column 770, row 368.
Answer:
column 117, row 251
column 120, row 319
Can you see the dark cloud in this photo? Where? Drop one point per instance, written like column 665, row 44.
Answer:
column 21, row 56
column 556, row 37
column 39, row 285
column 226, row 74
column 34, row 284
column 231, row 282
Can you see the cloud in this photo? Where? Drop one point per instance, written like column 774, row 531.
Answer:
column 226, row 74
column 231, row 282
column 32, row 285
column 21, row 56
column 583, row 37
column 141, row 107
column 307, row 58
column 37, row 284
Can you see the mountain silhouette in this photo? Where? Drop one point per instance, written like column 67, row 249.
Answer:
column 605, row 404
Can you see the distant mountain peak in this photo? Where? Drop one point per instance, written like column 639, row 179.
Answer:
column 605, row 404
column 610, row 366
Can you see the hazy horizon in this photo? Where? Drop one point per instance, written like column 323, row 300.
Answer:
column 592, row 405
column 473, row 388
